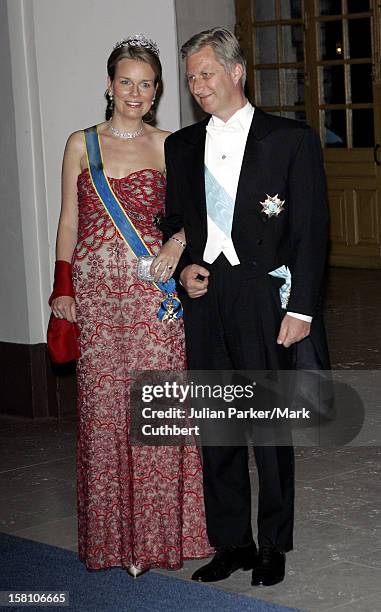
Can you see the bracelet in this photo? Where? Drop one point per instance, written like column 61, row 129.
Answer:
column 183, row 244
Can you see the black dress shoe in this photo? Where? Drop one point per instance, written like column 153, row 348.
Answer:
column 269, row 567
column 226, row 561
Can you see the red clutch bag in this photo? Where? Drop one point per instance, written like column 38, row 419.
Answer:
column 62, row 339
column 62, row 336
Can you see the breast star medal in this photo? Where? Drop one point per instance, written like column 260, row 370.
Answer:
column 272, row 206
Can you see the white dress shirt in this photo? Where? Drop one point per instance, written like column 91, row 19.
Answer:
column 224, row 150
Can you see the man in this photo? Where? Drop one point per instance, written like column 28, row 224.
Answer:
column 249, row 189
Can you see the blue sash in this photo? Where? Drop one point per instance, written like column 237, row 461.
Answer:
column 285, row 289
column 170, row 308
column 219, row 204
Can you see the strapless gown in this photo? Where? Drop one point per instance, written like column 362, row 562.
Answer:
column 136, row 505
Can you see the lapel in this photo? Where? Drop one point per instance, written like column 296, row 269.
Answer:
column 195, row 136
column 195, row 161
column 261, row 125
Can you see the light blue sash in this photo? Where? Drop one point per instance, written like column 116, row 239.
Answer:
column 219, row 204
column 170, row 308
column 285, row 289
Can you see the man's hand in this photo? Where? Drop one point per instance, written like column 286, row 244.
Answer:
column 195, row 287
column 292, row 330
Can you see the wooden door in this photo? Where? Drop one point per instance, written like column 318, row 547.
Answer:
column 319, row 61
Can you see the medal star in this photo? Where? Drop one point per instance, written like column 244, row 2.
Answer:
column 272, row 206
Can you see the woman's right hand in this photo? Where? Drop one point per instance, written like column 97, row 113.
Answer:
column 63, row 307
column 165, row 263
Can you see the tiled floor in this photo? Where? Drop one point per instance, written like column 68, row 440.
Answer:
column 336, row 564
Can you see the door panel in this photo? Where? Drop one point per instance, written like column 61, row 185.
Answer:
column 319, row 60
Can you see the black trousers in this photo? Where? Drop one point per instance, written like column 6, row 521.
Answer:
column 234, row 327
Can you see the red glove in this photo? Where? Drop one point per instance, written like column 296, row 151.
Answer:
column 62, row 336
column 63, row 282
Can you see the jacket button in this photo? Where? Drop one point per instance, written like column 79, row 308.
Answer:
column 259, row 242
column 254, row 263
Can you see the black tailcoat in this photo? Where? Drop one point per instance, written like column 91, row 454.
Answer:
column 282, row 157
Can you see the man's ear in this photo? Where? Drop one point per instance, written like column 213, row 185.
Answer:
column 237, row 73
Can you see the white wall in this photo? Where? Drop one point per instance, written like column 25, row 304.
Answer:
column 193, row 16
column 13, row 301
column 59, row 50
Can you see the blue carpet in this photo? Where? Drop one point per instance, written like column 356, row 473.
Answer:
column 27, row 565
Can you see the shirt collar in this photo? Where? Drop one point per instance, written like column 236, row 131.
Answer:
column 243, row 116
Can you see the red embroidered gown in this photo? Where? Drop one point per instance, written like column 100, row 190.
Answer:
column 136, row 505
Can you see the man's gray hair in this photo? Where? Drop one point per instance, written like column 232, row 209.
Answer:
column 225, row 46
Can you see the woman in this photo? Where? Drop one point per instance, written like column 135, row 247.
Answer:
column 138, row 507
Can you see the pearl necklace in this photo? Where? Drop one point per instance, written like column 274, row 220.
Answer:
column 125, row 135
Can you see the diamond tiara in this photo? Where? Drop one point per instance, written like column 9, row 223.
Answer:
column 138, row 40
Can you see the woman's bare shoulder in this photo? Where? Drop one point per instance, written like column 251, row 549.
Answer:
column 75, row 144
column 76, row 141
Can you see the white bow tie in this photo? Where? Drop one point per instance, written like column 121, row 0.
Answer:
column 228, row 128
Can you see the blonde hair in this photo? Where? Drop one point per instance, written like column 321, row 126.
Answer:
column 225, row 46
